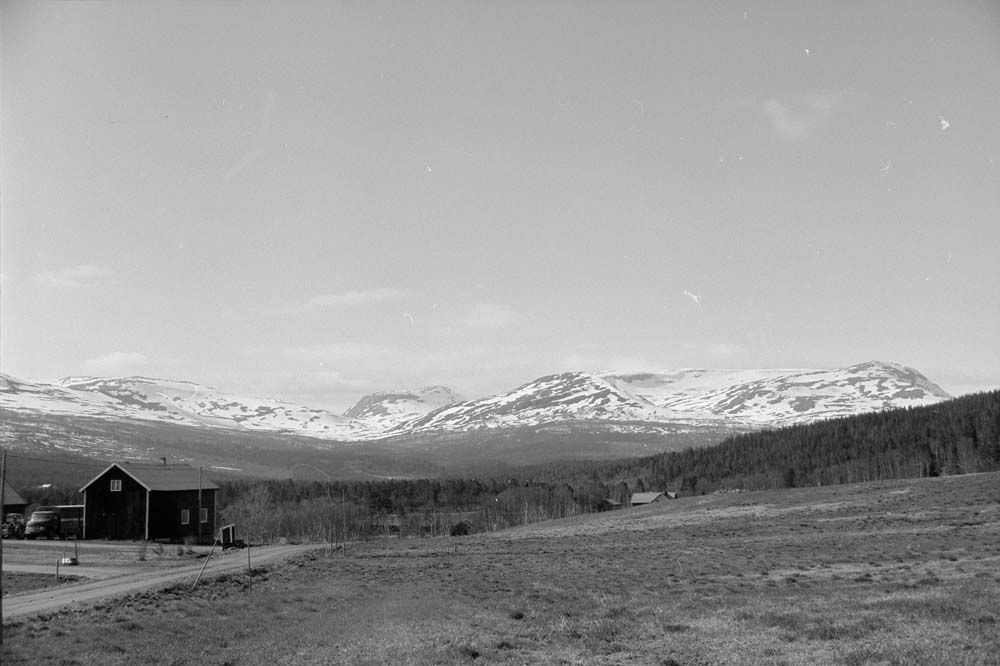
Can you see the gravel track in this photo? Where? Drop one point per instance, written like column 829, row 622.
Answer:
column 55, row 598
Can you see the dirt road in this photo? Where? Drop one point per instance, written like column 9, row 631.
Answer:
column 55, row 598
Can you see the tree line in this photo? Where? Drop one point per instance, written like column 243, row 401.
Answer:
column 953, row 437
column 350, row 510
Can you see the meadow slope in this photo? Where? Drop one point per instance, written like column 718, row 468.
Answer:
column 894, row 572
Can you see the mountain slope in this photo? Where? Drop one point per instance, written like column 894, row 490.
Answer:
column 572, row 413
column 566, row 396
column 402, row 406
column 659, row 388
column 186, row 402
column 809, row 395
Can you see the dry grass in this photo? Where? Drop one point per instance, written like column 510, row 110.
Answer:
column 904, row 572
column 15, row 583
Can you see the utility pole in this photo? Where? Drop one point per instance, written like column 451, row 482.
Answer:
column 199, row 506
column 3, row 514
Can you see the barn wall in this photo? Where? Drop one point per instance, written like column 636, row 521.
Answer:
column 165, row 515
column 114, row 515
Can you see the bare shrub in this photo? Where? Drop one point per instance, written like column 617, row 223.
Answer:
column 252, row 511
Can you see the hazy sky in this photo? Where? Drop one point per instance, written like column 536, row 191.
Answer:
column 313, row 201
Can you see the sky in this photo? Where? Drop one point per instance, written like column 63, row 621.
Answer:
column 315, row 201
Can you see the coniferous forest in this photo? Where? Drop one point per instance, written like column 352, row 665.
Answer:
column 954, row 437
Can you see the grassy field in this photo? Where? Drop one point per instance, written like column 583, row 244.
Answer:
column 14, row 583
column 900, row 572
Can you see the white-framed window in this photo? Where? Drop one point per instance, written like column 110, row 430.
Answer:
column 185, row 516
column 116, row 485
column 204, row 515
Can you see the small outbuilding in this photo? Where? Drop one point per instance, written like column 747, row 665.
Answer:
column 461, row 528
column 12, row 502
column 149, row 502
column 608, row 504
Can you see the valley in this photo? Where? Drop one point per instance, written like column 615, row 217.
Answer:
column 569, row 416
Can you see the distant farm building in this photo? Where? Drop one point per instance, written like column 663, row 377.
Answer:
column 462, row 528
column 12, row 502
column 639, row 499
column 149, row 502
column 608, row 504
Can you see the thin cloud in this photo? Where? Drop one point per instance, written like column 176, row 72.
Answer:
column 724, row 349
column 257, row 143
column 84, row 275
column 716, row 349
column 385, row 367
column 116, row 363
column 799, row 117
column 369, row 359
column 340, row 353
column 600, row 362
column 344, row 299
column 489, row 315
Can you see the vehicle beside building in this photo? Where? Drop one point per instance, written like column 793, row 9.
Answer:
column 13, row 526
column 55, row 522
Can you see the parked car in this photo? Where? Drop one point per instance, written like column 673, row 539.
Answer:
column 13, row 526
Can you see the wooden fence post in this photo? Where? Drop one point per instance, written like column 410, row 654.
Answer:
column 196, row 580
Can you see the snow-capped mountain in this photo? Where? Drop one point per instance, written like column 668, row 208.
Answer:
column 26, row 396
column 193, row 404
column 750, row 398
column 784, row 397
column 661, row 387
column 190, row 404
column 567, row 396
column 402, row 406
column 643, row 403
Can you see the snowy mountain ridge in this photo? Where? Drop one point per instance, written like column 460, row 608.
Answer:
column 618, row 401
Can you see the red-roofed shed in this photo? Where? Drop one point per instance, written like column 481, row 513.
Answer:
column 147, row 502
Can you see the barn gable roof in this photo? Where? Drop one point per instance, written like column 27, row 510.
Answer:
column 645, row 498
column 10, row 495
column 161, row 477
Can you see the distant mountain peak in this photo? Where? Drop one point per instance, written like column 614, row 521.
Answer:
column 404, row 404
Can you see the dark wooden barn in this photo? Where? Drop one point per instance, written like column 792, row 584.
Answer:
column 462, row 528
column 149, row 502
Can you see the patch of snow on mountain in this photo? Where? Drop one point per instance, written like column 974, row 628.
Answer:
column 806, row 396
column 662, row 388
